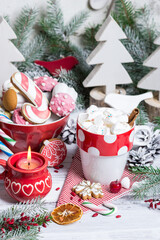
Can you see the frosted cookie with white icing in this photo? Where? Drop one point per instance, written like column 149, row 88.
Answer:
column 87, row 190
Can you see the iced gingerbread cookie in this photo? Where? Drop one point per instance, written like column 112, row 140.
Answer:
column 18, row 118
column 87, row 190
column 9, row 100
column 54, row 150
column 37, row 111
column 8, row 85
column 45, row 83
column 63, row 100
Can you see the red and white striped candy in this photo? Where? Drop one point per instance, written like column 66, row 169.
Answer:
column 39, row 112
column 99, row 209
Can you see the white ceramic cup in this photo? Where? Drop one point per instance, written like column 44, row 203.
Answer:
column 104, row 157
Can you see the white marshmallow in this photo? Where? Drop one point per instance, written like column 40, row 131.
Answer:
column 98, row 120
column 104, row 121
column 92, row 109
column 87, row 124
column 103, row 130
column 92, row 129
column 126, row 182
column 82, row 118
column 119, row 128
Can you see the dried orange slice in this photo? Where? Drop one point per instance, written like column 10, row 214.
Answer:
column 66, row 213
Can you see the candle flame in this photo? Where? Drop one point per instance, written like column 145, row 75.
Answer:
column 29, row 156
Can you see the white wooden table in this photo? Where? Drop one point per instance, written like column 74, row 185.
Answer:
column 137, row 220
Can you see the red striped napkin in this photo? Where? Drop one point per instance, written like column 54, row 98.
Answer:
column 75, row 176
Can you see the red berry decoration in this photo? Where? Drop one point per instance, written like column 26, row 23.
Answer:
column 115, row 186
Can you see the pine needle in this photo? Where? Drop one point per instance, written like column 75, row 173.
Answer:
column 75, row 23
column 23, row 25
column 150, row 184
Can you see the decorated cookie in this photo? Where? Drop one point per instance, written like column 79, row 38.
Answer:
column 18, row 118
column 87, row 190
column 45, row 83
column 10, row 100
column 37, row 111
column 20, row 98
column 63, row 100
column 54, row 150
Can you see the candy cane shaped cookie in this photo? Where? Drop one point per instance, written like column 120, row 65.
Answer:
column 39, row 112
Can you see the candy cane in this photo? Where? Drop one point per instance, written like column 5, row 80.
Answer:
column 5, row 149
column 39, row 112
column 4, row 118
column 100, row 210
column 7, row 138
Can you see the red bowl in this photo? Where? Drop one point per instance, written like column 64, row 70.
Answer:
column 31, row 135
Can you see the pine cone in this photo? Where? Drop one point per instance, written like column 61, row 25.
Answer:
column 154, row 145
column 36, row 71
column 142, row 135
column 140, row 157
column 68, row 134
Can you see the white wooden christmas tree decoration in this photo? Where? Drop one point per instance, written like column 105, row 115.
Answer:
column 8, row 52
column 108, row 57
column 152, row 81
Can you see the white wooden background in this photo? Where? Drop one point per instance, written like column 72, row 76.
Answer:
column 71, row 7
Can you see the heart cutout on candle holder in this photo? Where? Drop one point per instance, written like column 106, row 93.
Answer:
column 15, row 187
column 26, row 184
column 7, row 182
column 39, row 186
column 47, row 182
column 27, row 189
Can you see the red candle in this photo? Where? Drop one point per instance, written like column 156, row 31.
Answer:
column 29, row 163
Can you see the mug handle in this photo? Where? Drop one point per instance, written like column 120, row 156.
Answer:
column 145, row 142
column 3, row 164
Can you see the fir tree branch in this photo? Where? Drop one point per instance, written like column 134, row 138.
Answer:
column 147, row 28
column 124, row 13
column 148, row 187
column 143, row 117
column 157, row 123
column 24, row 25
column 52, row 23
column 33, row 50
column 88, row 37
column 75, row 23
column 31, row 208
column 23, row 220
column 145, row 170
column 150, row 184
column 32, row 234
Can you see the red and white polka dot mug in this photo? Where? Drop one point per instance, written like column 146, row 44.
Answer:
column 104, row 156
